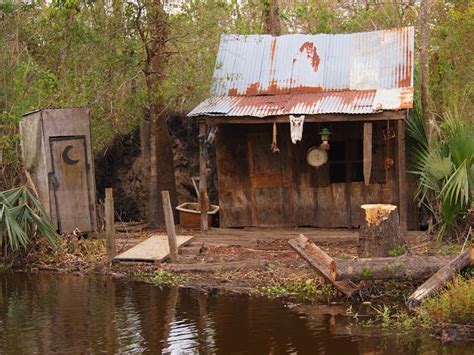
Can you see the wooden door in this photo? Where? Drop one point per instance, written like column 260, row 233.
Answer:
column 272, row 190
column 69, row 180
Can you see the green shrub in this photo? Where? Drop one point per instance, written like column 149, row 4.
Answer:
column 161, row 278
column 444, row 165
column 453, row 306
column 307, row 290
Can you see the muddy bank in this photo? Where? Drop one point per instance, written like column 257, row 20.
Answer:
column 266, row 264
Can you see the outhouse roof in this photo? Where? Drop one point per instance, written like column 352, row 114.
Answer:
column 262, row 75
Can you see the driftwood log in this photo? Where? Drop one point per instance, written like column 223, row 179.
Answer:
column 380, row 231
column 323, row 264
column 406, row 267
column 439, row 279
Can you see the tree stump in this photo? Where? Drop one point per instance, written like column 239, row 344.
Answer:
column 380, row 231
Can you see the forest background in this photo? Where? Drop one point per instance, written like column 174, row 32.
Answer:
column 134, row 63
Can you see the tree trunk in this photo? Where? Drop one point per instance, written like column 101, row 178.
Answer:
column 161, row 153
column 271, row 17
column 379, row 232
column 424, row 66
column 399, row 268
column 438, row 280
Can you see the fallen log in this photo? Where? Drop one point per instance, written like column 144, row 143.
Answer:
column 323, row 264
column 439, row 279
column 202, row 267
column 406, row 267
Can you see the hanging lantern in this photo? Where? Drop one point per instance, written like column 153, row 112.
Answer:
column 325, row 133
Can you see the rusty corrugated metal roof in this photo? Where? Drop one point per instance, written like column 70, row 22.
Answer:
column 261, row 75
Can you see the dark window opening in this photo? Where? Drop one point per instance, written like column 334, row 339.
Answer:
column 337, row 153
column 345, row 162
column 337, row 172
column 357, row 172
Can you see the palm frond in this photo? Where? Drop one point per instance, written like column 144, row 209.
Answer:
column 21, row 216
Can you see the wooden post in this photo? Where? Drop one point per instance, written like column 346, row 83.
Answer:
column 169, row 221
column 203, row 198
column 402, row 178
column 110, row 223
column 367, row 152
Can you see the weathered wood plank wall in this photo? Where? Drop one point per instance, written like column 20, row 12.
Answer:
column 260, row 188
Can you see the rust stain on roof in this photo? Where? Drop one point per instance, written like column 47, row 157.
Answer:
column 311, row 54
column 273, row 49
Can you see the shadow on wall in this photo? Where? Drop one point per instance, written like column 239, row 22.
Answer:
column 119, row 166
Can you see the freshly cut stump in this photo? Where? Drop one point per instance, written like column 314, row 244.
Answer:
column 380, row 231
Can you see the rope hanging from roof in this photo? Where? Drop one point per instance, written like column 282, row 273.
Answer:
column 274, row 145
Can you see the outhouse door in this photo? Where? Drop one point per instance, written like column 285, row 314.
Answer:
column 69, row 180
column 271, row 182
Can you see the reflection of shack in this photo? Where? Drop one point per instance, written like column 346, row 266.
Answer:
column 351, row 89
column 56, row 147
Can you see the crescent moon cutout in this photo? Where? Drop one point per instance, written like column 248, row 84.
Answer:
column 66, row 157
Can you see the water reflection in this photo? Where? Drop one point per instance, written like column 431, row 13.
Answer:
column 64, row 314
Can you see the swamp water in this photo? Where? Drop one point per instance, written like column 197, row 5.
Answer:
column 65, row 314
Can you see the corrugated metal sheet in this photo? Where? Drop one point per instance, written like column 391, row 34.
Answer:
column 261, row 75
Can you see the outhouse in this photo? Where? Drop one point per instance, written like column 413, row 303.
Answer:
column 309, row 127
column 57, row 152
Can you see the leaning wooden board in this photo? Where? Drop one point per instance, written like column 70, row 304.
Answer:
column 152, row 250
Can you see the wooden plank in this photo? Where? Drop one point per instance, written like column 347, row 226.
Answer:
column 367, row 162
column 402, row 180
column 232, row 265
column 307, row 251
column 439, row 279
column 170, row 229
column 110, row 223
column 154, row 249
column 203, row 197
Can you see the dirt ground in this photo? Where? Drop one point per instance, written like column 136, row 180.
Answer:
column 263, row 259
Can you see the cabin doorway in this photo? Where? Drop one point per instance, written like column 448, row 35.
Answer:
column 271, row 182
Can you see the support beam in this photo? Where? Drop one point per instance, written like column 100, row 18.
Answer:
column 367, row 152
column 330, row 117
column 203, row 197
column 402, row 176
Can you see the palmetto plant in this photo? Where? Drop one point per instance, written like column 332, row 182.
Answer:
column 444, row 165
column 21, row 218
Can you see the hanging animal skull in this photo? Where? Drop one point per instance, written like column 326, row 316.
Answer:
column 296, row 128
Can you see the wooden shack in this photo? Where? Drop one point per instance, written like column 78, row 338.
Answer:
column 358, row 86
column 57, row 151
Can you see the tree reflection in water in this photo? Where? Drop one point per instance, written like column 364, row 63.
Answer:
column 47, row 313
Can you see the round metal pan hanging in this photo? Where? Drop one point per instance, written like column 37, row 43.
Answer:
column 316, row 156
